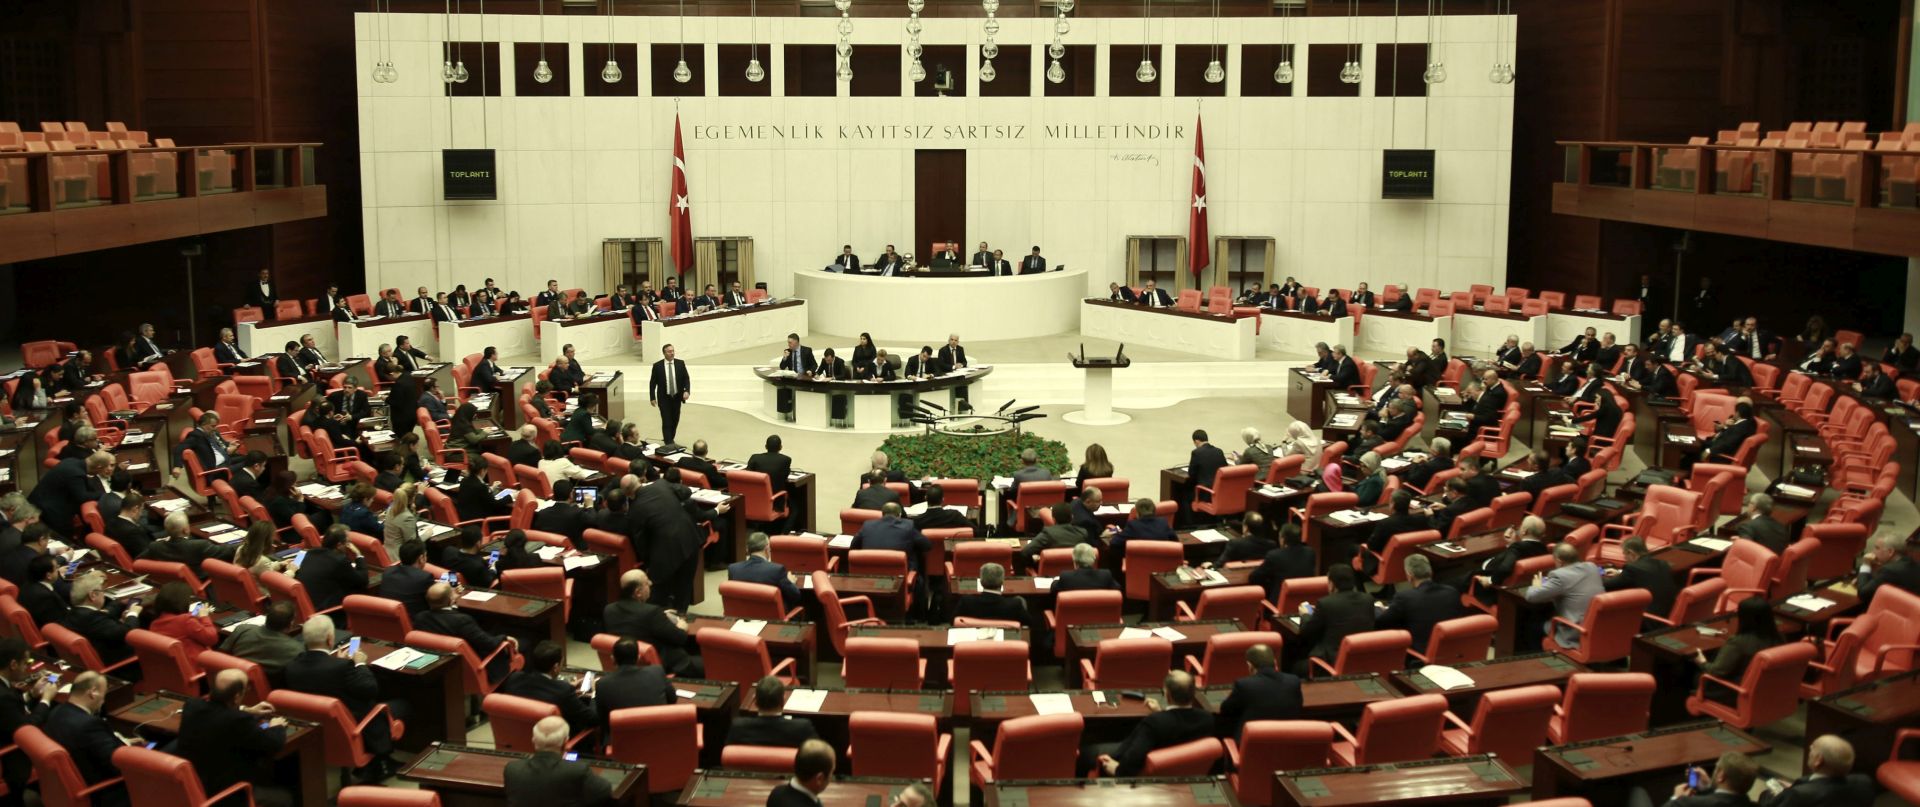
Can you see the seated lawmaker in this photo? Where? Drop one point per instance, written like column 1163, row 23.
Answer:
column 757, row 568
column 629, row 684
column 990, row 603
column 1268, row 693
column 846, row 262
column 765, row 725
column 541, row 681
column 1173, row 719
column 1083, row 576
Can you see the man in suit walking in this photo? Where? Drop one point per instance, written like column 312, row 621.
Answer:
column 758, row 569
column 548, row 777
column 1266, row 694
column 1421, row 605
column 812, row 772
column 227, row 743
column 766, row 725
column 1203, row 463
column 636, row 618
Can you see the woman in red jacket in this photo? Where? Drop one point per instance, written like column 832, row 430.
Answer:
column 174, row 606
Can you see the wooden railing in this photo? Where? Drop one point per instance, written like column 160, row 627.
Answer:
column 46, row 181
column 1820, row 175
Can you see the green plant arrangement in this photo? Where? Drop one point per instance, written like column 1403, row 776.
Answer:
column 970, row 457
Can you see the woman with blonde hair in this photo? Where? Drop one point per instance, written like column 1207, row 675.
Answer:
column 402, row 524
column 256, row 551
column 1302, row 441
column 1094, row 465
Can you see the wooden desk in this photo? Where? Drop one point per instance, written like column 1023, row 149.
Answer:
column 1176, row 486
column 1168, row 588
column 1320, row 698
column 1216, row 336
column 510, row 334
column 435, row 691
column 1478, row 780
column 715, row 788
column 1297, row 332
column 518, row 614
column 1185, row 791
column 611, row 390
column 1492, row 674
column 888, row 591
column 597, row 335
column 933, row 643
column 830, row 720
column 157, row 716
column 724, row 331
column 473, row 776
column 794, row 640
column 1307, row 395
column 1573, row 767
column 1868, row 715
column 991, row 708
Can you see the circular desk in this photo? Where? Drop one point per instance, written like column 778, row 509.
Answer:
column 925, row 310
column 873, row 404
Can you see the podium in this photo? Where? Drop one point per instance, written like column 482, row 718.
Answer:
column 1098, row 373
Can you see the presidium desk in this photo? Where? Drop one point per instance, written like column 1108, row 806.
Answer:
column 873, row 404
column 1218, row 336
column 926, row 309
column 725, row 330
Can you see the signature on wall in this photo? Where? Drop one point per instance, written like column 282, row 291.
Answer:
column 1135, row 157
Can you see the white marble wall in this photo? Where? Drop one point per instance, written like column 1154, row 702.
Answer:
column 576, row 170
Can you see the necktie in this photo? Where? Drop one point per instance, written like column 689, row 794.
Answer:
column 671, row 387
column 1754, row 339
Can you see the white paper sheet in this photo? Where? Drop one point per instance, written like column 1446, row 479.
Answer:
column 1051, row 703
column 963, row 635
column 806, row 700
column 1168, row 633
column 478, row 596
column 1135, row 633
column 1209, row 536
column 1446, row 677
column 750, row 627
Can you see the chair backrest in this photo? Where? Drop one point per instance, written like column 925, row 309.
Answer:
column 1269, row 746
column 1748, row 568
column 987, row 666
column 164, row 663
column 1790, row 574
column 883, row 663
column 1839, row 544
column 894, row 744
column 1132, row 663
column 1666, row 509
column 967, row 557
column 1073, row 608
column 376, row 796
column 60, row 779
column 1696, row 602
column 1460, row 640
column 1225, row 659
column 1399, row 730
column 758, row 758
column 161, row 779
column 285, row 587
column 1191, row 758
column 1239, row 603
column 377, row 617
column 1772, row 683
column 1510, row 723
column 344, row 744
column 513, row 718
column 1604, row 705
column 1147, row 558
column 744, row 600
column 1299, row 590
column 1381, row 651
column 213, row 661
column 800, row 554
column 1036, row 746
column 735, row 657
column 663, row 738
column 1611, row 622
column 853, row 518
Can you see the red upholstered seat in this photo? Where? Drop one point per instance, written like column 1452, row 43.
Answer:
column 1602, row 705
column 1393, row 731
column 1032, row 747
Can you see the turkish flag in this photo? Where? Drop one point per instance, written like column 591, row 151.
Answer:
column 1199, row 254
column 679, row 212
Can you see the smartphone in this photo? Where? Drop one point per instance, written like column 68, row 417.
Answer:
column 493, row 558
column 1696, row 781
column 450, row 579
column 585, row 497
column 1308, row 608
column 299, row 557
column 53, row 678
column 586, row 682
column 353, row 646
column 152, row 745
column 72, row 566
column 572, row 756
column 197, row 608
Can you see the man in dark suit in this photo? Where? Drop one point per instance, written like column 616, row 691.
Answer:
column 634, row 617
column 1457, row 503
column 1267, row 694
column 563, row 517
column 1402, row 520
column 951, row 356
column 548, row 777
column 1874, row 382
column 758, row 569
column 696, row 461
column 846, row 262
column 1422, row 604
column 1361, row 296
column 525, row 451
column 541, row 681
column 1830, row 780
column 1338, row 615
column 1145, row 525
column 1173, row 719
column 261, row 294
column 1644, row 571
column 1332, row 306
column 1083, row 576
column 888, row 264
column 45, row 597
column 446, row 619
column 832, row 368
column 286, row 363
column 735, row 297
column 1726, row 440
column 1727, row 786
column 1000, row 265
column 80, row 727
column 991, row 603
column 1121, row 294
column 580, row 421
column 1759, row 525
column 876, row 494
column 1901, row 572
column 1344, row 373
column 333, row 571
column 812, row 773
column 351, row 403
column 661, row 521
column 890, row 531
column 798, row 358
column 320, row 670
column 981, row 256
column 1292, row 559
column 766, row 726
column 228, row 744
column 104, row 625
column 62, row 490
column 408, row 580
column 775, row 465
column 937, row 515
column 1204, row 460
column 1583, row 348
column 1033, row 264
column 921, row 364
column 629, row 685
column 461, row 556
column 23, row 702
column 227, row 351
column 33, row 543
column 1525, row 541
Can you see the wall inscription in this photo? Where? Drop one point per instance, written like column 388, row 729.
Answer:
column 938, row 133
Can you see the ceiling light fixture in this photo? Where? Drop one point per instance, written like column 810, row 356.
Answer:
column 755, row 73
column 1145, row 74
column 542, row 73
column 611, row 74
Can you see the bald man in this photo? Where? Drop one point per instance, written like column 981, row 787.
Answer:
column 1174, row 719
column 1830, row 779
column 548, row 778
column 229, row 744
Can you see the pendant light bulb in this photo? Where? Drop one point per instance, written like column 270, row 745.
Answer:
column 1215, row 73
column 542, row 73
column 1060, row 26
column 916, row 72
column 990, row 50
column 1056, row 50
column 446, row 72
column 1145, row 74
column 845, row 73
column 913, row 26
column 987, row 73
column 682, row 73
column 1065, row 6
column 755, row 73
column 1056, row 73
column 611, row 73
column 916, row 6
column 460, row 74
column 991, row 26
column 1283, row 74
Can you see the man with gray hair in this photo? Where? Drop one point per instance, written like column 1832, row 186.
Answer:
column 991, row 603
column 1569, row 587
column 1420, row 605
column 525, row 451
column 1030, row 470
column 548, row 777
column 1084, row 577
column 226, row 351
column 1344, row 373
column 323, row 669
column 1830, row 779
column 1757, row 524
column 881, row 465
column 915, row 794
